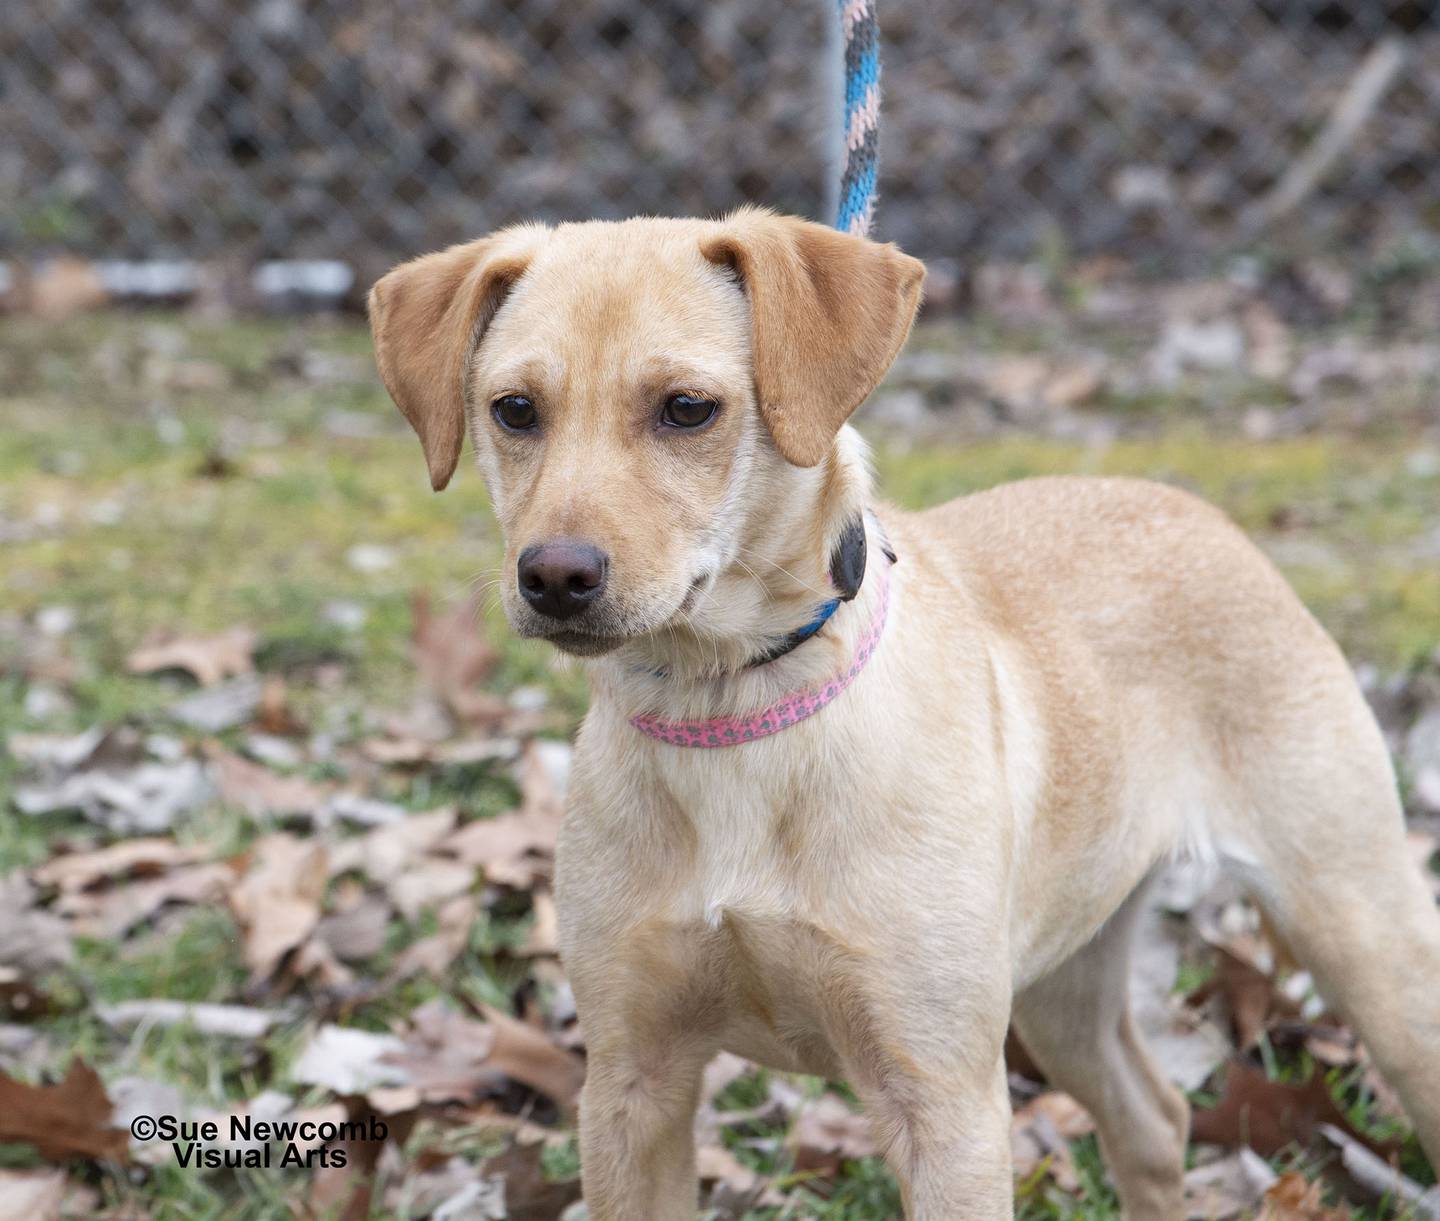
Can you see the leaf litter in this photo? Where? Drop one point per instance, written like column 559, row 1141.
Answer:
column 346, row 894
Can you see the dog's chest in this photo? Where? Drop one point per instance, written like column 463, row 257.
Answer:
column 753, row 853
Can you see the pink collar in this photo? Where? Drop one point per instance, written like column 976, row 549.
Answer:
column 736, row 731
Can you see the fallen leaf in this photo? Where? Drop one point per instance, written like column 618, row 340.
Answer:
column 528, row 1195
column 415, row 752
column 1187, row 1047
column 208, row 658
column 111, row 913
column 1039, row 1138
column 433, row 955
column 121, row 861
column 738, row 1187
column 1230, row 1187
column 347, row 1061
column 450, row 1057
column 543, row 937
column 216, row 709
column 316, row 963
column 454, row 657
column 21, row 999
column 827, row 1133
column 518, row 848
column 71, row 1119
column 357, row 930
column 277, row 901
column 1250, row 996
column 1293, row 1199
column 63, row 751
column 388, row 852
column 144, row 799
column 527, row 1055
column 428, row 882
column 1069, row 1118
column 1268, row 1115
column 32, row 1195
column 34, row 940
column 262, row 793
column 274, row 715
column 422, row 1191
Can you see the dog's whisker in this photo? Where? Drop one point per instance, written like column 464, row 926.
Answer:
column 766, row 560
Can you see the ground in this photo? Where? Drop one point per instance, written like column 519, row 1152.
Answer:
column 322, row 790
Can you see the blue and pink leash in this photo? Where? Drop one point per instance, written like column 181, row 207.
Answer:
column 862, row 116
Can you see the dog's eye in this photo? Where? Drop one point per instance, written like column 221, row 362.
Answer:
column 515, row 412
column 688, row 410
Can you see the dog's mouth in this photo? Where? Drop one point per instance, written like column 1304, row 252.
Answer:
column 585, row 644
column 607, row 632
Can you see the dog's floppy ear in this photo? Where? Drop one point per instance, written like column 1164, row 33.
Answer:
column 829, row 311
column 427, row 316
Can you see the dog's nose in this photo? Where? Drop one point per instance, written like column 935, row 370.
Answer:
column 562, row 578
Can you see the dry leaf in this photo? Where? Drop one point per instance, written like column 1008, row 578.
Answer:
column 357, row 930
column 274, row 715
column 216, row 709
column 277, row 902
column 1293, row 1199
column 518, row 848
column 1069, row 1118
column 62, row 1121
column 543, row 937
column 388, row 852
column 1038, row 1140
column 348, row 1061
column 1250, row 996
column 34, row 940
column 1230, row 1187
column 32, row 1195
column 208, row 658
column 262, row 793
column 141, row 799
column 737, row 1187
column 112, row 912
column 433, row 955
column 827, row 1133
column 1268, row 1115
column 413, row 752
column 315, row 962
column 528, row 1195
column 450, row 1057
column 427, row 883
column 527, row 1055
column 454, row 657
column 127, row 859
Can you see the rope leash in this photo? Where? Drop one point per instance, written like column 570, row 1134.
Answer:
column 862, row 116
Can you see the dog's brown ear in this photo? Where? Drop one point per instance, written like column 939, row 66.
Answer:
column 829, row 311
column 427, row 316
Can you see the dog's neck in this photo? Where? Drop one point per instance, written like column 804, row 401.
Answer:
column 787, row 565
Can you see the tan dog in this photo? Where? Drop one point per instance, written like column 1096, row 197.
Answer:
column 1075, row 681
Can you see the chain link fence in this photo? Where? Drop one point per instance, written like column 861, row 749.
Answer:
column 370, row 130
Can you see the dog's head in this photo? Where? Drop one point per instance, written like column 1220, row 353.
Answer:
column 630, row 388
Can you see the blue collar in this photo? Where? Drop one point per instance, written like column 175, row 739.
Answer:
column 798, row 637
column 847, row 571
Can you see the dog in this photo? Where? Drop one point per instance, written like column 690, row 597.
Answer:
column 859, row 787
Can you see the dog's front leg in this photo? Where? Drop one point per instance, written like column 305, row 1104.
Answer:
column 637, row 1145
column 947, row 1138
